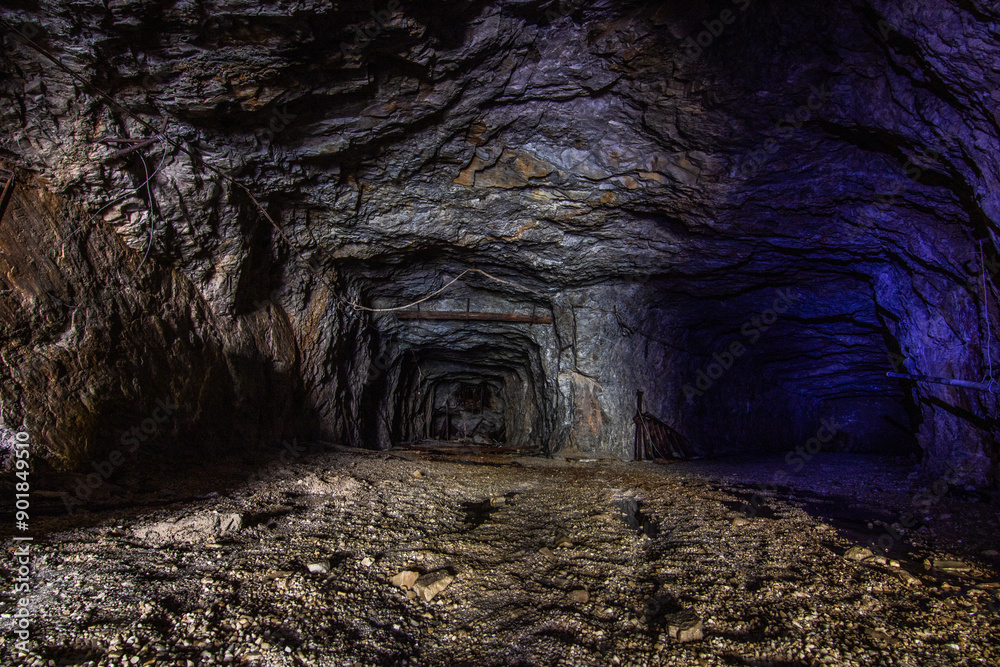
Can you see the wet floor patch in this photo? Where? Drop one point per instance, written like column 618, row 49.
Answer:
column 861, row 523
column 749, row 503
column 476, row 513
column 630, row 511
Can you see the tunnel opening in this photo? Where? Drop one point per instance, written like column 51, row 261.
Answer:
column 466, row 411
column 400, row 239
column 484, row 396
column 473, row 367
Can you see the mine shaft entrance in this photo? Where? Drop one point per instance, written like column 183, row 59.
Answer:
column 466, row 412
column 459, row 377
column 483, row 396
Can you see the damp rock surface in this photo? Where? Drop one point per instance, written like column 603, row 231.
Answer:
column 753, row 226
column 699, row 591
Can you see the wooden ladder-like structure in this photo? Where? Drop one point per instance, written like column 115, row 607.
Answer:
column 656, row 440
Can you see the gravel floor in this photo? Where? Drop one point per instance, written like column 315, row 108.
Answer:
column 551, row 563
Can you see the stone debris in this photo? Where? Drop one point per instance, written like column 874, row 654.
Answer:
column 685, row 626
column 563, row 542
column 429, row 585
column 319, row 567
column 340, row 485
column 858, row 554
column 909, row 579
column 198, row 528
column 405, row 579
column 778, row 592
column 367, row 561
column 951, row 566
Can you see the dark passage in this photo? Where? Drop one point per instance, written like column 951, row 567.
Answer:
column 499, row 332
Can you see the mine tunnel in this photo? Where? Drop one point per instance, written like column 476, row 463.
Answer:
column 499, row 332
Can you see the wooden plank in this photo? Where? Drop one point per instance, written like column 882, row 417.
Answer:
column 470, row 317
column 7, row 178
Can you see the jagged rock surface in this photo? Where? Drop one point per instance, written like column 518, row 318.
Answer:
column 650, row 196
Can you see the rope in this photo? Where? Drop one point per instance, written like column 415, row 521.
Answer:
column 152, row 220
column 438, row 291
column 112, row 203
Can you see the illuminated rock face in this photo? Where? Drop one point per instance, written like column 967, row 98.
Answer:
column 751, row 213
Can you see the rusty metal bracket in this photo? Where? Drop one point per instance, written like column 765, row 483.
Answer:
column 134, row 147
column 135, row 143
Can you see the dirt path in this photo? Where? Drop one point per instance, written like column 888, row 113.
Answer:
column 552, row 563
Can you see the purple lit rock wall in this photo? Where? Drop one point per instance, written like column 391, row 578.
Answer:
column 652, row 177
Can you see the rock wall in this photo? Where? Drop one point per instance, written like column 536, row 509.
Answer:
column 749, row 210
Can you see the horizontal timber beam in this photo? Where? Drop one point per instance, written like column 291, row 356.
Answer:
column 980, row 386
column 470, row 317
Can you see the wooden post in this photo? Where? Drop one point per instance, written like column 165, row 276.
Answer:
column 640, row 432
column 635, row 443
column 429, row 414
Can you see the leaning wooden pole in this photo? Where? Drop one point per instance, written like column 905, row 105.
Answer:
column 640, row 432
column 6, row 188
column 992, row 387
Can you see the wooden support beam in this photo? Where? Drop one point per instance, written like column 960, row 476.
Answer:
column 7, row 185
column 993, row 387
column 470, row 317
